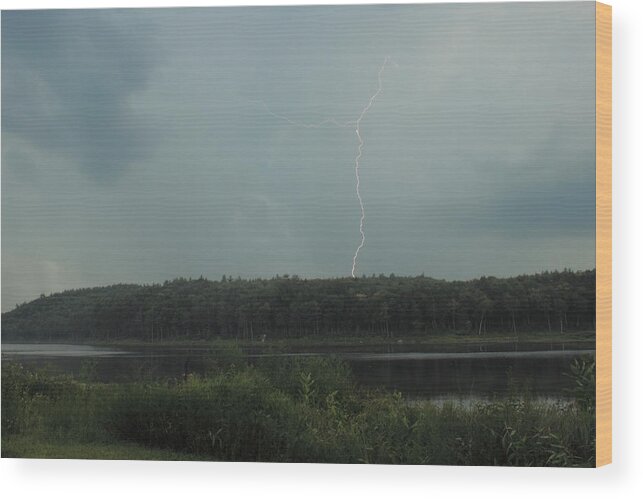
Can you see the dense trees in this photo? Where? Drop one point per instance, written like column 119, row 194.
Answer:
column 288, row 306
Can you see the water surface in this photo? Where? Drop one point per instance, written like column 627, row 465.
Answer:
column 435, row 372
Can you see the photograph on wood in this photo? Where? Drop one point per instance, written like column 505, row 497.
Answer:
column 365, row 234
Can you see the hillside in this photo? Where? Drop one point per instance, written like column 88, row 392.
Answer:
column 288, row 306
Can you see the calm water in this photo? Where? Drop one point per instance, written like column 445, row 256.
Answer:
column 438, row 372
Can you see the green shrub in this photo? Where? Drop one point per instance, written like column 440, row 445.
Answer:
column 238, row 416
column 23, row 391
column 296, row 410
column 583, row 374
column 313, row 378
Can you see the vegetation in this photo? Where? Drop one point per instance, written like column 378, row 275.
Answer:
column 33, row 446
column 289, row 307
column 292, row 410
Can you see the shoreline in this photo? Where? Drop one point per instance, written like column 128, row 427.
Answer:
column 446, row 339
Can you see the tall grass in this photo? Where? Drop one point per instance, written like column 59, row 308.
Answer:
column 295, row 410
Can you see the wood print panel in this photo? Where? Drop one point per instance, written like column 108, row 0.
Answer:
column 603, row 234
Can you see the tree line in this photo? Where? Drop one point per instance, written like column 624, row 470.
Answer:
column 291, row 307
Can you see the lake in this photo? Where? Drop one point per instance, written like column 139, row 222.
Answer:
column 463, row 373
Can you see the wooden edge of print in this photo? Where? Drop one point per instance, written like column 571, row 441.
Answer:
column 603, row 234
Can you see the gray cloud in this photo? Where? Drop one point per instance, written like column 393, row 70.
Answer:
column 137, row 145
column 68, row 79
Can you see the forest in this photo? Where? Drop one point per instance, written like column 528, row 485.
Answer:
column 293, row 307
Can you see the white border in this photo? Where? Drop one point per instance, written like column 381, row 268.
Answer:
column 102, row 479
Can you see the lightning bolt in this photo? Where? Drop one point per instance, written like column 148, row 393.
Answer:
column 322, row 124
column 362, row 217
column 331, row 122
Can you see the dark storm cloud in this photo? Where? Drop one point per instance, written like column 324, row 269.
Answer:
column 67, row 78
column 540, row 204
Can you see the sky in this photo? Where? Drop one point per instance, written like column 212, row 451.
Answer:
column 146, row 144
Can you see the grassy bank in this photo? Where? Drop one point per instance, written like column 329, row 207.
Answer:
column 37, row 447
column 287, row 410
